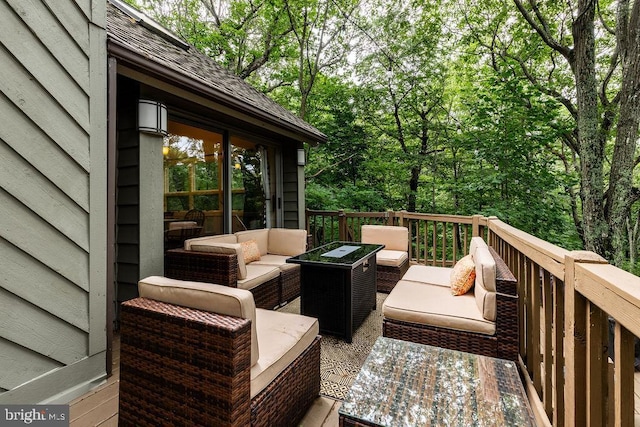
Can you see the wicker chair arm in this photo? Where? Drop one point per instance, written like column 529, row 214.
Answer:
column 221, row 269
column 506, row 282
column 182, row 366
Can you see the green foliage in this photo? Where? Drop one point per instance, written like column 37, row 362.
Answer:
column 426, row 105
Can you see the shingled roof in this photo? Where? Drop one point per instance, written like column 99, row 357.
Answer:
column 145, row 41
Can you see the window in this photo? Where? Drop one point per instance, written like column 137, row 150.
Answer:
column 194, row 178
column 193, row 169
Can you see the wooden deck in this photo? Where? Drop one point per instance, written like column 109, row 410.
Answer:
column 99, row 407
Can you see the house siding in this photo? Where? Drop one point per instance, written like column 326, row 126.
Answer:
column 52, row 198
column 290, row 189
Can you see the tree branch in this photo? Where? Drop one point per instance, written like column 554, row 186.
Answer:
column 543, row 30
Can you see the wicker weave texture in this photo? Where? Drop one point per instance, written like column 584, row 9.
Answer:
column 267, row 294
column 180, row 366
column 221, row 269
column 388, row 276
column 290, row 284
column 504, row 344
column 469, row 342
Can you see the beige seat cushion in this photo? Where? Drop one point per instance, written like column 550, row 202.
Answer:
column 273, row 260
column 261, row 236
column 222, row 238
column 485, row 286
column 224, row 248
column 433, row 275
column 276, row 261
column 282, row 337
column 392, row 237
column 285, row 241
column 434, row 305
column 391, row 258
column 257, row 275
column 204, row 296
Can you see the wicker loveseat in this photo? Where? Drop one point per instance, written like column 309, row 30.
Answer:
column 422, row 309
column 220, row 259
column 194, row 353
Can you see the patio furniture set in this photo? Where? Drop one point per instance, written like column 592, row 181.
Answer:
column 203, row 345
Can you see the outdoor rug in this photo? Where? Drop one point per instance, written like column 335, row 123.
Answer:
column 340, row 362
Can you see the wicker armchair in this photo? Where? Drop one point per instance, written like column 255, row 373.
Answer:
column 393, row 261
column 502, row 343
column 189, row 366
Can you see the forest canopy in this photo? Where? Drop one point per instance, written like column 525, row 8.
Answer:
column 525, row 109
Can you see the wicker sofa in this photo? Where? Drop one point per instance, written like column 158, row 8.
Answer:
column 393, row 261
column 220, row 259
column 194, row 353
column 422, row 309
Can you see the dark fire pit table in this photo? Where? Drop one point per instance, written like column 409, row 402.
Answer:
column 338, row 285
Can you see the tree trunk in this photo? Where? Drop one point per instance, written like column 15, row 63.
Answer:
column 621, row 176
column 413, row 189
column 590, row 141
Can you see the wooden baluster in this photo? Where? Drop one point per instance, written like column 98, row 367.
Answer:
column 547, row 358
column 623, row 376
column 558, row 361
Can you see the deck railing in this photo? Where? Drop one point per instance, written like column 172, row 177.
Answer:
column 578, row 314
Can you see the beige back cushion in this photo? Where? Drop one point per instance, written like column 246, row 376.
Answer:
column 224, row 248
column 261, row 236
column 476, row 242
column 222, row 238
column 393, row 238
column 204, row 296
column 485, row 287
column 289, row 242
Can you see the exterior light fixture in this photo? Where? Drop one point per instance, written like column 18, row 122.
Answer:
column 165, row 150
column 301, row 157
column 237, row 166
column 152, row 117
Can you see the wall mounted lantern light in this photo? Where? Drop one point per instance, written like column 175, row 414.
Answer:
column 152, row 117
column 301, row 157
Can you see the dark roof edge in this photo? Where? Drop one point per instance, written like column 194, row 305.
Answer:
column 121, row 51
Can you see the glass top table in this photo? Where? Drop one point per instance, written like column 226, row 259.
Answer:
column 407, row 384
column 337, row 254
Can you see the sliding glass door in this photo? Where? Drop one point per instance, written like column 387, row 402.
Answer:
column 195, row 178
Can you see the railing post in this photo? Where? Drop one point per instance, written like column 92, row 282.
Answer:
column 390, row 216
column 342, row 226
column 482, row 231
column 306, row 221
column 475, row 226
column 577, row 354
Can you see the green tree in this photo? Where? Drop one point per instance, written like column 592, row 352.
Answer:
column 585, row 56
column 402, row 73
